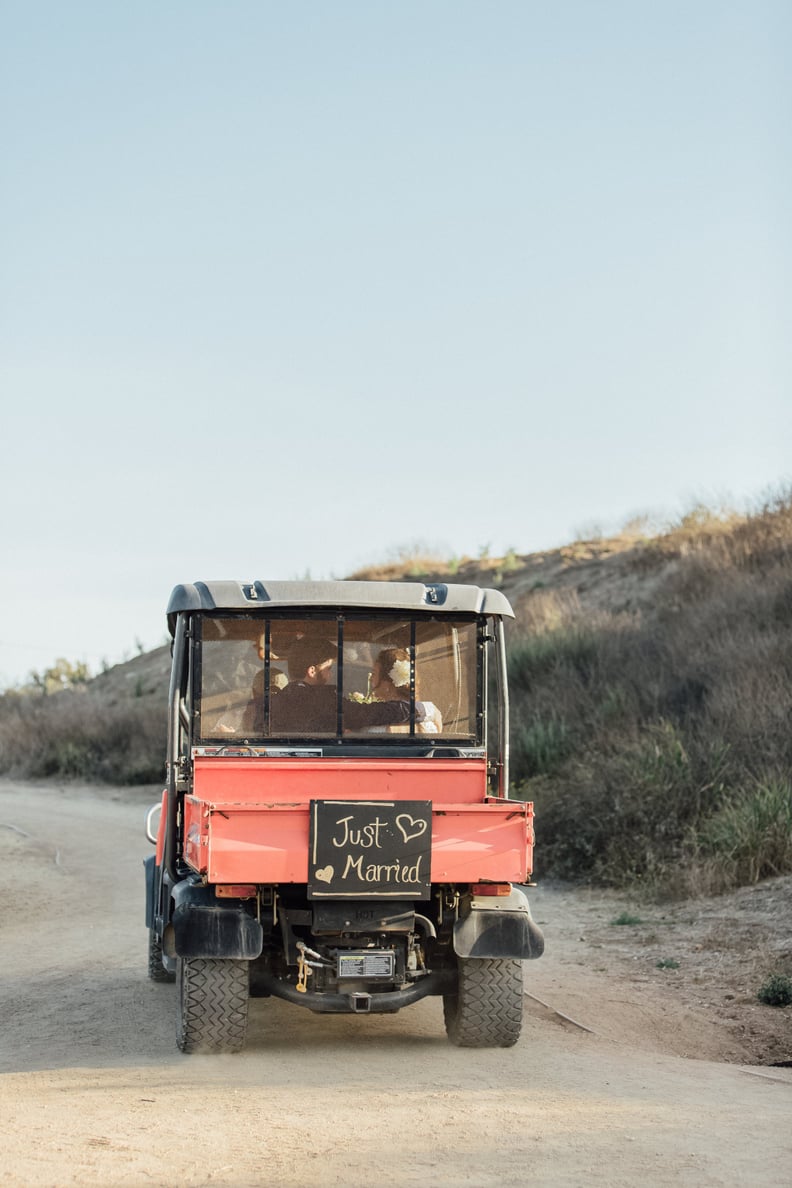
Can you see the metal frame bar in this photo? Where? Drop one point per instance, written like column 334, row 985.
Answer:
column 503, row 713
column 174, row 757
column 340, row 681
column 412, row 677
column 267, row 670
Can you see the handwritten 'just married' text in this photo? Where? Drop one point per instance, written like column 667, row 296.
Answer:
column 381, row 848
column 366, row 836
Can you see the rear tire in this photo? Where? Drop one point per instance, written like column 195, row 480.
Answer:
column 212, row 1007
column 156, row 970
column 486, row 1010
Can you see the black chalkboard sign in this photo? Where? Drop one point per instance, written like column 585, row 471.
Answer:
column 370, row 848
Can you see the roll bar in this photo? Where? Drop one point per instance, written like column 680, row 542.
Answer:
column 174, row 757
column 503, row 713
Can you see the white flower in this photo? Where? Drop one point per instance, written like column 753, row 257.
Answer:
column 400, row 673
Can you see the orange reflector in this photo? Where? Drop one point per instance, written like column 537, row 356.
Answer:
column 235, row 891
column 491, row 889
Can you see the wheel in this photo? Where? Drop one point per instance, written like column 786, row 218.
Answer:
column 156, row 970
column 212, row 1004
column 486, row 1010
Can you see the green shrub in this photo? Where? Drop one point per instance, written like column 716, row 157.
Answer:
column 751, row 835
column 776, row 991
column 573, row 647
column 540, row 747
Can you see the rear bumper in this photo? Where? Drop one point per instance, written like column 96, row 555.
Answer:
column 355, row 1003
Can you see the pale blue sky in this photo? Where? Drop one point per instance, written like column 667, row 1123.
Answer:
column 288, row 287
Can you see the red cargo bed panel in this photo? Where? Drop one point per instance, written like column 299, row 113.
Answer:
column 296, row 780
column 268, row 843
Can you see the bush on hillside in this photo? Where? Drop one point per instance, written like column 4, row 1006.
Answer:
column 652, row 741
column 78, row 734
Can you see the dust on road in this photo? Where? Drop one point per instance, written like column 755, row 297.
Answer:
column 93, row 1091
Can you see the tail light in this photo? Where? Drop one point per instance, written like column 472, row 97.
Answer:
column 491, row 889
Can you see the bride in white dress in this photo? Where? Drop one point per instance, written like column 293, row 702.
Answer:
column 390, row 681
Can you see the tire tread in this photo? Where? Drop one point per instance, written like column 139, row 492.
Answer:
column 212, row 1010
column 487, row 1009
column 156, row 970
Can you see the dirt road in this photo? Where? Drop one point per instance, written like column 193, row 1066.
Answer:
column 93, row 1091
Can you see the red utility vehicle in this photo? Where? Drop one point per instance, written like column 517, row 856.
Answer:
column 336, row 829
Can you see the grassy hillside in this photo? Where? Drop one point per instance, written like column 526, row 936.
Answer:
column 651, row 692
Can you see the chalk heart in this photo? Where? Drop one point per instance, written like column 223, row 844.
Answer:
column 325, row 875
column 409, row 827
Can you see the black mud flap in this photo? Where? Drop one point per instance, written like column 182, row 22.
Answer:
column 150, row 870
column 202, row 927
column 498, row 927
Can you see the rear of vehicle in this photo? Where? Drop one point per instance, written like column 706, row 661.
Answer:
column 336, row 830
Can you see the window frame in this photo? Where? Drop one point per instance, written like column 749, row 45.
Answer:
column 360, row 743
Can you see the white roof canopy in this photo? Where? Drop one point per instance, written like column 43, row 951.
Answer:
column 252, row 596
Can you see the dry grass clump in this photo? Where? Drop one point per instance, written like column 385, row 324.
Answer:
column 725, row 537
column 417, row 569
column 414, row 561
column 656, row 743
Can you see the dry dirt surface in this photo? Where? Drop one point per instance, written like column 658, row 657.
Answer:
column 628, row 1073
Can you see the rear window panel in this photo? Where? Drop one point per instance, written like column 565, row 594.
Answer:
column 352, row 677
